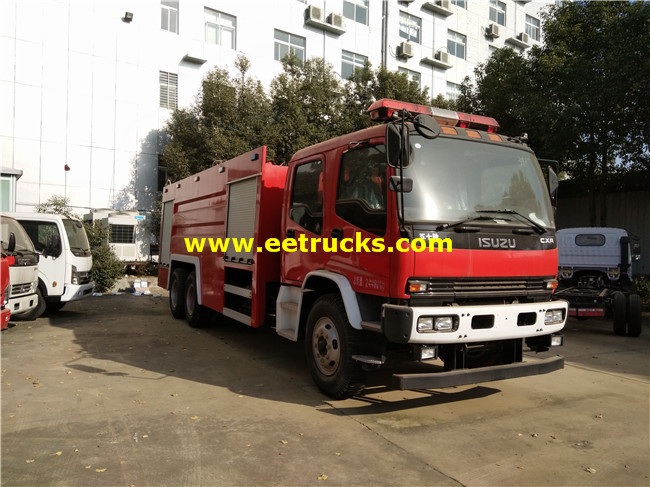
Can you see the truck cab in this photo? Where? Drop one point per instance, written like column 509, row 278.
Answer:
column 595, row 275
column 65, row 265
column 23, row 273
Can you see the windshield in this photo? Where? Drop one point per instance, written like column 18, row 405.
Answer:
column 454, row 179
column 76, row 235
column 9, row 226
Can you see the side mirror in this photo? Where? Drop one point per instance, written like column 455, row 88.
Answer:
column 395, row 182
column 53, row 247
column 12, row 243
column 393, row 144
column 553, row 185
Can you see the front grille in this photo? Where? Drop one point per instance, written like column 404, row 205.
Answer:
column 472, row 290
column 17, row 289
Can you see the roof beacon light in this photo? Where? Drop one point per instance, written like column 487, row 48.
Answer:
column 385, row 110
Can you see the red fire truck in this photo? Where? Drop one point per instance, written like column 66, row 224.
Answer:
column 5, row 312
column 429, row 238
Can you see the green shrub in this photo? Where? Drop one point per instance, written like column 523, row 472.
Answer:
column 107, row 268
column 642, row 286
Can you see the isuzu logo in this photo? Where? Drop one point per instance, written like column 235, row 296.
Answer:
column 497, row 243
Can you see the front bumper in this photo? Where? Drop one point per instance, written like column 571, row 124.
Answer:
column 4, row 318
column 22, row 304
column 73, row 292
column 478, row 323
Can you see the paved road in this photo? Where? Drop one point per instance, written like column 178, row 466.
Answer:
column 114, row 392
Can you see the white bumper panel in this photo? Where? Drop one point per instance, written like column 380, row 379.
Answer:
column 22, row 304
column 474, row 323
column 73, row 292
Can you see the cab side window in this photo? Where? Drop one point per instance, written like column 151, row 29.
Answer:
column 41, row 233
column 307, row 197
column 361, row 193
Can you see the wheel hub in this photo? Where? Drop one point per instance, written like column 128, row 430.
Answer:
column 325, row 341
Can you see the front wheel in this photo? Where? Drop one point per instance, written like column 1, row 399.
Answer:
column 634, row 315
column 620, row 313
column 330, row 343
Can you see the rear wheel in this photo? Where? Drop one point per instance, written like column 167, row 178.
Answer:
column 620, row 313
column 330, row 343
column 634, row 315
column 177, row 292
column 195, row 314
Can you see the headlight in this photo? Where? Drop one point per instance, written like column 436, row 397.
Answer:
column 554, row 317
column 437, row 323
column 414, row 286
column 613, row 273
column 74, row 279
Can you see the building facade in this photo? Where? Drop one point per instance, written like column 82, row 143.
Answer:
column 86, row 86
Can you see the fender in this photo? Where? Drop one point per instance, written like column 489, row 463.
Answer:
column 347, row 294
column 186, row 259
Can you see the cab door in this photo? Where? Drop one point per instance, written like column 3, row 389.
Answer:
column 303, row 222
column 358, row 219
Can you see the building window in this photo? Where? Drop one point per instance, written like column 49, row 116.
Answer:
column 356, row 10
column 532, row 27
column 409, row 27
column 122, row 234
column 413, row 76
column 168, row 90
column 498, row 12
column 460, row 3
column 350, row 63
column 220, row 28
column 169, row 15
column 456, row 44
column 286, row 44
column 453, row 91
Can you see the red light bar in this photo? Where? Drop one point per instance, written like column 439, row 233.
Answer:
column 385, row 109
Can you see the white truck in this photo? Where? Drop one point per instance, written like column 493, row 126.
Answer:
column 595, row 275
column 22, row 295
column 64, row 268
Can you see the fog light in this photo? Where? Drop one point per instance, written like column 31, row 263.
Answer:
column 554, row 317
column 427, row 353
column 557, row 340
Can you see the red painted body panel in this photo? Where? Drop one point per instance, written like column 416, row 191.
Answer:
column 200, row 211
column 4, row 282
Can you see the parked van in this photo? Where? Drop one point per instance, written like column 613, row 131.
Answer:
column 23, row 273
column 64, row 269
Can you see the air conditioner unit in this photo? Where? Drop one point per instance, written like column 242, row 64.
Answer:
column 446, row 4
column 314, row 14
column 442, row 56
column 336, row 20
column 492, row 31
column 523, row 37
column 405, row 49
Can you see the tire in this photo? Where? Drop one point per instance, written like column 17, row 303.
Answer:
column 330, row 343
column 197, row 316
column 620, row 313
column 177, row 292
column 54, row 306
column 634, row 317
column 33, row 313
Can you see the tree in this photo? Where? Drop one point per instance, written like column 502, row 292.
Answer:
column 230, row 116
column 307, row 105
column 581, row 97
column 57, row 205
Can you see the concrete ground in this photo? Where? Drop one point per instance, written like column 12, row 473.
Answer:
column 113, row 391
